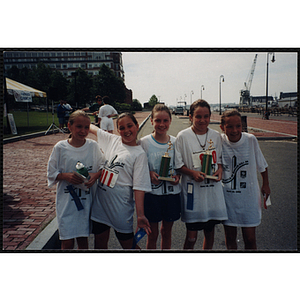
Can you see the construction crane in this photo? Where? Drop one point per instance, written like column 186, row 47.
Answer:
column 245, row 94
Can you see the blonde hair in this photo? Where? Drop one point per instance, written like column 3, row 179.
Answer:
column 76, row 114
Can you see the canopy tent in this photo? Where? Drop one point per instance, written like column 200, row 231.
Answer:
column 21, row 93
column 16, row 88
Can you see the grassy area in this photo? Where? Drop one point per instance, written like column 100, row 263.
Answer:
column 37, row 122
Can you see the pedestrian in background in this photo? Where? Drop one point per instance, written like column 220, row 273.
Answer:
column 73, row 223
column 203, row 204
column 68, row 111
column 94, row 108
column 61, row 114
column 106, row 113
column 162, row 204
column 242, row 159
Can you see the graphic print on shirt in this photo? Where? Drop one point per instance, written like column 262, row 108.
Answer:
column 236, row 175
column 109, row 176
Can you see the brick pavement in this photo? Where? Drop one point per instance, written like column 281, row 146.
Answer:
column 277, row 127
column 28, row 203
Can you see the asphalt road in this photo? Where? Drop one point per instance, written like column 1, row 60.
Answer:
column 278, row 229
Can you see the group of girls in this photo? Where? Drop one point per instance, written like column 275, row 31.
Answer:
column 127, row 176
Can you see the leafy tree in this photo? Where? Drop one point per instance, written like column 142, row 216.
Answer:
column 122, row 107
column 153, row 100
column 80, row 93
column 107, row 84
column 136, row 105
column 59, row 86
column 42, row 77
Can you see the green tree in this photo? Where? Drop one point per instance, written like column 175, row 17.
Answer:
column 80, row 93
column 59, row 86
column 153, row 100
column 136, row 105
column 107, row 84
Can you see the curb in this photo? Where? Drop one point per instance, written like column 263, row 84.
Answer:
column 28, row 136
column 48, row 239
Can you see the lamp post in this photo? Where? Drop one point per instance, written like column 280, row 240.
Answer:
column 221, row 77
column 192, row 93
column 202, row 88
column 267, row 75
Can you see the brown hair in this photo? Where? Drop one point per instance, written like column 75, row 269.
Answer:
column 199, row 103
column 127, row 114
column 160, row 107
column 229, row 113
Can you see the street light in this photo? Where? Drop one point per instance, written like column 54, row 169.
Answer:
column 192, row 93
column 202, row 88
column 267, row 75
column 221, row 77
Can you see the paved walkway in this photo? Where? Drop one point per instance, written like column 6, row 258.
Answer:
column 29, row 205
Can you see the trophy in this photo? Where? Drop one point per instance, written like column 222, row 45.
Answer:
column 82, row 172
column 207, row 162
column 164, row 166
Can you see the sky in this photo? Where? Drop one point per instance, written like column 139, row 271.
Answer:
column 178, row 76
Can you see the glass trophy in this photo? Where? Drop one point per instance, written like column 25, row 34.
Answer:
column 165, row 165
column 207, row 162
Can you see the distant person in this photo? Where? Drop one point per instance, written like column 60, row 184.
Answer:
column 162, row 204
column 68, row 111
column 94, row 108
column 203, row 204
column 106, row 113
column 242, row 159
column 61, row 110
column 74, row 223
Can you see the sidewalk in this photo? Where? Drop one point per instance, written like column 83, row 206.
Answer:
column 277, row 127
column 28, row 203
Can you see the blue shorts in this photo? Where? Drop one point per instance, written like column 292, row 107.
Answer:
column 162, row 207
column 61, row 120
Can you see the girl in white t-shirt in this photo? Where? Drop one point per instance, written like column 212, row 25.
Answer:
column 242, row 158
column 124, row 181
column 73, row 221
column 163, row 202
column 203, row 204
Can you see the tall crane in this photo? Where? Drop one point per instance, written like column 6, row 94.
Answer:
column 245, row 94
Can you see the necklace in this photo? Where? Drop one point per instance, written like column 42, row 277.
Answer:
column 202, row 146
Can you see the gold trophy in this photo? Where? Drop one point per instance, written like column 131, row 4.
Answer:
column 207, row 162
column 164, row 166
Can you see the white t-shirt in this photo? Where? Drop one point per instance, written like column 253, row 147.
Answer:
column 104, row 111
column 200, row 201
column 114, row 206
column 155, row 151
column 241, row 162
column 71, row 222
